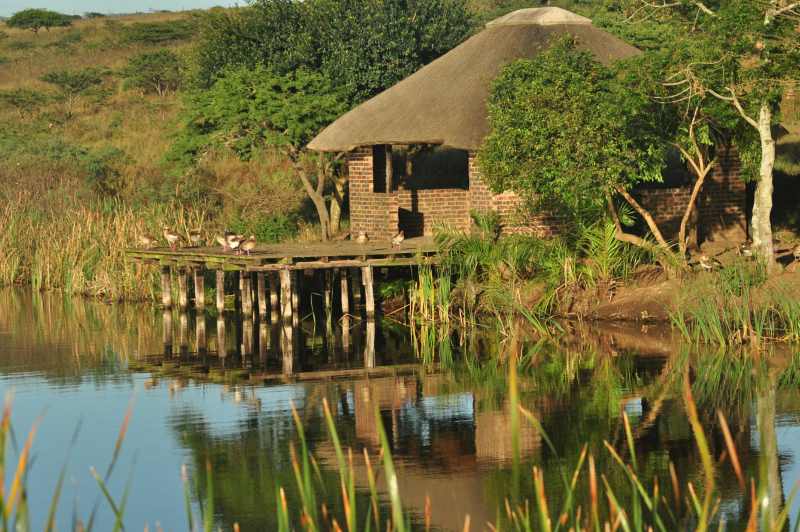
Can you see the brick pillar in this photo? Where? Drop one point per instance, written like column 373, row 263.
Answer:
column 722, row 204
column 371, row 212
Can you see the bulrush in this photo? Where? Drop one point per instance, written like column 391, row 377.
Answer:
column 147, row 241
column 171, row 237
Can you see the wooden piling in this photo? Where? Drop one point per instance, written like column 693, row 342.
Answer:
column 357, row 284
column 199, row 289
column 166, row 317
column 369, row 291
column 200, row 333
column 295, row 286
column 328, row 290
column 369, row 348
column 183, row 332
column 273, row 292
column 287, row 344
column 237, row 293
column 345, row 291
column 247, row 294
column 220, row 295
column 166, row 287
column 183, row 290
column 247, row 337
column 261, row 294
column 221, row 351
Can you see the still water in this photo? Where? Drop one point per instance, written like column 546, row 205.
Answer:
column 76, row 367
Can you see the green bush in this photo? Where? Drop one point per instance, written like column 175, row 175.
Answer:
column 71, row 38
column 36, row 19
column 153, row 33
column 268, row 228
column 74, row 81
column 153, row 72
column 94, row 14
column 24, row 101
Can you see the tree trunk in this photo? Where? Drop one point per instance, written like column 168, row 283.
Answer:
column 760, row 224
column 336, row 205
column 691, row 208
column 770, row 486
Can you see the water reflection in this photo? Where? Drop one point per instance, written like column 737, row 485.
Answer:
column 222, row 395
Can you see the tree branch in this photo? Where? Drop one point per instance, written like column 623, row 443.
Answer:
column 648, row 218
column 736, row 103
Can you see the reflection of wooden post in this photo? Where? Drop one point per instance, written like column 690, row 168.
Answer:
column 247, row 294
column 369, row 349
column 346, row 334
column 369, row 294
column 345, row 292
column 200, row 332
column 166, row 317
column 199, row 290
column 183, row 332
column 166, row 287
column 220, row 291
column 221, row 352
column 247, row 336
column 263, row 342
column 261, row 294
column 273, row 292
column 183, row 290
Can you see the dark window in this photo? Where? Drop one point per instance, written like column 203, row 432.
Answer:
column 430, row 167
column 379, row 168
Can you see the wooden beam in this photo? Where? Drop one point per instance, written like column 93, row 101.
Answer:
column 199, row 289
column 166, row 287
column 261, row 295
column 220, row 291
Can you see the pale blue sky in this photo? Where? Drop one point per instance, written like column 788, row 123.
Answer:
column 78, row 7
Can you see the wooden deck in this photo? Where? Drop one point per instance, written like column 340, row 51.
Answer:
column 294, row 256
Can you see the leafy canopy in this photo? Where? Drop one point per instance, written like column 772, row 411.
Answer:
column 566, row 130
column 250, row 108
column 72, row 82
column 154, row 72
column 36, row 19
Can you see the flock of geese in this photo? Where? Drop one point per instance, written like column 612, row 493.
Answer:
column 239, row 244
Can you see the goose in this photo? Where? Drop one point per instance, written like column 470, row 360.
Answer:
column 247, row 245
column 194, row 237
column 171, row 237
column 222, row 242
column 796, row 253
column 746, row 249
column 362, row 237
column 398, row 239
column 147, row 241
column 708, row 264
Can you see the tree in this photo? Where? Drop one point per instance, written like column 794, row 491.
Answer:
column 744, row 54
column 250, row 109
column 568, row 134
column 154, row 72
column 74, row 83
column 36, row 19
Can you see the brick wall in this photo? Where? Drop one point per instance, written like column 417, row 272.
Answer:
column 421, row 211
column 509, row 206
column 667, row 206
column 374, row 213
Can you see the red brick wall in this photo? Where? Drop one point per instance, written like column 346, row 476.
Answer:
column 422, row 211
column 667, row 206
column 374, row 213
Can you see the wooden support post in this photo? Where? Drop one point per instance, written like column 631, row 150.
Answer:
column 295, row 299
column 356, row 275
column 199, row 289
column 328, row 290
column 247, row 337
column 183, row 290
column 247, row 294
column 237, row 303
column 263, row 343
column 287, row 344
column 346, row 334
column 166, row 287
column 345, row 291
column 261, row 294
column 273, row 292
column 369, row 291
column 220, row 291
column 369, row 348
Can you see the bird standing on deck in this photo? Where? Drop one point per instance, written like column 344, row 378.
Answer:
column 708, row 264
column 194, row 237
column 796, row 253
column 362, row 237
column 222, row 242
column 248, row 245
column 147, row 241
column 171, row 237
column 233, row 240
column 398, row 239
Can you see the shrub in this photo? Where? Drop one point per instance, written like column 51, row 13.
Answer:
column 157, row 32
column 74, row 83
column 73, row 37
column 94, row 14
column 154, row 72
column 268, row 228
column 25, row 101
column 36, row 19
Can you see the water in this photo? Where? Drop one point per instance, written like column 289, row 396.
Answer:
column 76, row 368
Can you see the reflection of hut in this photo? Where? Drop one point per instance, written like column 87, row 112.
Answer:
column 494, row 437
column 411, row 149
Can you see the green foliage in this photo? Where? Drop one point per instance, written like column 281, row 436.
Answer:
column 250, row 108
column 69, row 39
column 364, row 46
column 73, row 82
column 267, row 228
column 157, row 33
column 36, row 19
column 94, row 14
column 154, row 72
column 25, row 101
column 4, row 60
column 565, row 131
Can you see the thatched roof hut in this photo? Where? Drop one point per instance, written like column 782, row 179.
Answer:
column 445, row 101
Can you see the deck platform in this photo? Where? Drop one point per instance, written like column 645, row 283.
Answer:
column 294, row 256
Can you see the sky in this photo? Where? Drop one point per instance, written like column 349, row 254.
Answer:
column 78, row 7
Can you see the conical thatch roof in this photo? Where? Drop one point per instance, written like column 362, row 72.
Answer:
column 445, row 101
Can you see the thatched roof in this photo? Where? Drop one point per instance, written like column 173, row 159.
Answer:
column 445, row 101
